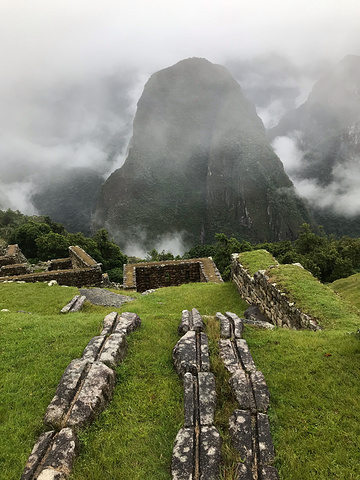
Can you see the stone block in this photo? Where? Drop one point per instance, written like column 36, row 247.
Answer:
column 267, row 472
column 191, row 353
column 93, row 348
column 63, row 452
column 37, row 454
column 182, row 463
column 225, row 329
column 266, row 446
column 245, row 356
column 127, row 322
column 228, row 356
column 191, row 320
column 210, row 453
column 243, row 472
column 93, row 397
column 241, row 387
column 207, row 397
column 114, row 350
column 237, row 324
column 69, row 385
column 241, row 436
column 261, row 391
column 189, row 399
column 109, row 323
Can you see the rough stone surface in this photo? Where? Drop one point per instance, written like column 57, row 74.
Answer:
column 93, row 348
column 261, row 391
column 245, row 355
column 127, row 322
column 101, row 296
column 241, row 387
column 37, row 454
column 114, row 350
column 253, row 313
column 94, row 396
column 185, row 353
column 75, row 304
column 238, row 326
column 189, row 399
column 228, row 356
column 68, row 386
column 50, row 474
column 267, row 472
column 207, row 397
column 191, row 320
column 210, row 453
column 266, row 446
column 109, row 323
column 182, row 463
column 241, row 435
column 63, row 451
column 225, row 329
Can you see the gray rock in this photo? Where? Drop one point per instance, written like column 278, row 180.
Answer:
column 225, row 329
column 191, row 321
column 253, row 313
column 101, row 296
column 243, row 472
column 261, row 391
column 189, row 399
column 109, row 323
column 241, row 436
column 210, row 453
column 267, row 472
column 94, row 395
column 182, row 463
column 127, row 322
column 259, row 324
column 191, row 353
column 69, row 384
column 93, row 348
column 266, row 446
column 50, row 474
column 74, row 305
column 241, row 387
column 63, row 452
column 207, row 398
column 238, row 326
column 37, row 454
column 114, row 350
column 228, row 356
column 245, row 356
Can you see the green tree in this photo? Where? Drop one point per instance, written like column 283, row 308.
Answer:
column 25, row 236
column 51, row 246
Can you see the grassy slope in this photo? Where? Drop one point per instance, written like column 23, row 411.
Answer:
column 314, row 382
column 348, row 288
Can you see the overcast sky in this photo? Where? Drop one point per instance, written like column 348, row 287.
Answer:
column 55, row 54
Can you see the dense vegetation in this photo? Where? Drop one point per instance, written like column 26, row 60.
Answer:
column 42, row 239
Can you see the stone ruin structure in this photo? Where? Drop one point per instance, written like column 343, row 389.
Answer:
column 78, row 270
column 145, row 276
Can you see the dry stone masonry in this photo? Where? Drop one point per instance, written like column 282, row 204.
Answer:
column 197, row 447
column 83, row 393
column 257, row 290
column 249, row 425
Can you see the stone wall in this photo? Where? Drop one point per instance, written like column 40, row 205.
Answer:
column 15, row 269
column 12, row 256
column 84, row 277
column 271, row 302
column 80, row 259
column 166, row 275
column 60, row 264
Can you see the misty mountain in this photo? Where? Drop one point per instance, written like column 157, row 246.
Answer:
column 199, row 163
column 325, row 132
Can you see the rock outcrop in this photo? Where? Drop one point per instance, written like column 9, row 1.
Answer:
column 199, row 163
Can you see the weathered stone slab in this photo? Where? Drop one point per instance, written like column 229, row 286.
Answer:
column 93, row 348
column 241, row 387
column 63, row 452
column 114, row 350
column 259, row 324
column 94, row 395
column 189, row 399
column 191, row 320
column 238, row 326
column 207, row 397
column 261, row 391
column 109, row 323
column 127, row 322
column 241, row 435
column 210, row 453
column 225, row 328
column 37, row 454
column 245, row 355
column 243, row 472
column 268, row 472
column 68, row 386
column 182, row 463
column 266, row 446
column 52, row 456
column 228, row 356
column 191, row 353
column 70, row 305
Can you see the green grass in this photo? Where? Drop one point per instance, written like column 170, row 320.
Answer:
column 348, row 288
column 256, row 260
column 314, row 380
